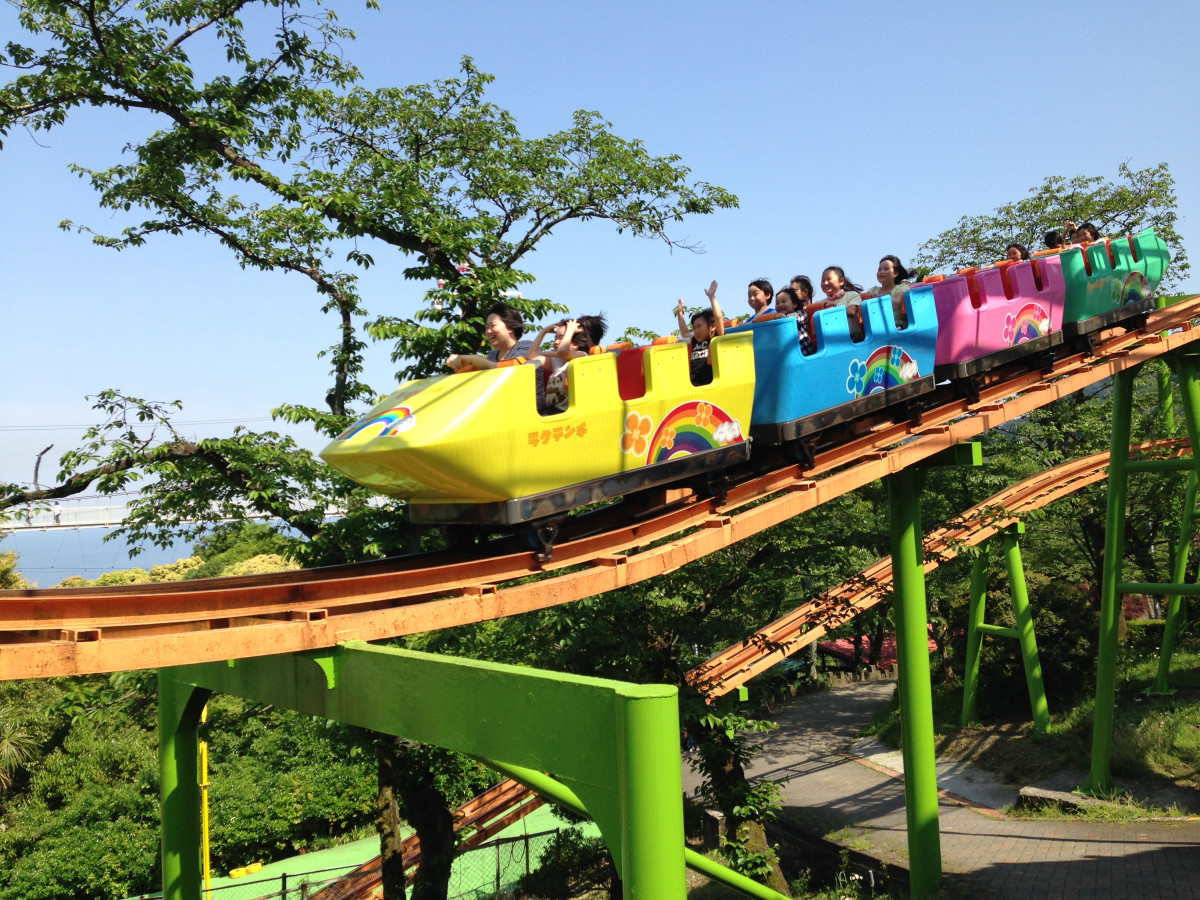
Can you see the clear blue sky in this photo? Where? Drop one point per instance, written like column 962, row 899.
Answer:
column 848, row 130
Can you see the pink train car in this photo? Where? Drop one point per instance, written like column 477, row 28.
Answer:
column 984, row 314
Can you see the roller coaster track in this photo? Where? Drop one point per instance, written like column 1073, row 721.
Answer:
column 808, row 622
column 509, row 801
column 69, row 631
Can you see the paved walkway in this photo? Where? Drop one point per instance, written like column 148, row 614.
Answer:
column 984, row 854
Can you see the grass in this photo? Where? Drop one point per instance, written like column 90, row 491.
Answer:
column 1155, row 747
column 1121, row 809
column 850, row 839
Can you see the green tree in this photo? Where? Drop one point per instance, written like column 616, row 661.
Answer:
column 10, row 577
column 433, row 171
column 17, row 747
column 1136, row 199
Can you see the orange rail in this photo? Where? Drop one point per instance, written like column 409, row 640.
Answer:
column 68, row 631
column 488, row 814
column 509, row 801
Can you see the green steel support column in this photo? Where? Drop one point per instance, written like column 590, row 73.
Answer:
column 1024, row 616
column 916, row 694
column 649, row 785
column 1189, row 386
column 974, row 636
column 179, row 708
column 1100, row 782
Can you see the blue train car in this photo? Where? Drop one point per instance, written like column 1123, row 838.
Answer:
column 797, row 394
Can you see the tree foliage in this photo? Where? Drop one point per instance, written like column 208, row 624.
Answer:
column 10, row 576
column 432, row 170
column 1136, row 199
column 79, row 795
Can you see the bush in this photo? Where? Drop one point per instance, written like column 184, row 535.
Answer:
column 282, row 781
column 261, row 565
column 175, row 571
column 88, row 826
column 228, row 545
column 1065, row 626
column 124, row 576
column 1144, row 636
column 570, row 865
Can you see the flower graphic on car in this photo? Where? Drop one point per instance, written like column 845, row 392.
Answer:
column 703, row 415
column 857, row 380
column 1010, row 322
column 636, row 439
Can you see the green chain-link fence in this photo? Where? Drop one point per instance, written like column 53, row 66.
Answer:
column 487, row 872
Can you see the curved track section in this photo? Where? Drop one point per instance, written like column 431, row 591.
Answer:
column 61, row 631
column 732, row 668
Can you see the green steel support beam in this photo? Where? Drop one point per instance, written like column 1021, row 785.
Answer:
column 1185, row 464
column 1099, row 781
column 1024, row 616
column 615, row 745
column 968, row 453
column 977, row 628
column 1158, row 587
column 916, row 694
column 975, row 636
column 179, row 708
column 1189, row 386
column 999, row 631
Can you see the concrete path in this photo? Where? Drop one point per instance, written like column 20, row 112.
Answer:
column 984, row 854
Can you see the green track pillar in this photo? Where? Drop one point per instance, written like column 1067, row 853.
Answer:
column 649, row 785
column 1024, row 617
column 1099, row 781
column 179, row 708
column 1189, row 386
column 1166, row 398
column 916, row 694
column 974, row 637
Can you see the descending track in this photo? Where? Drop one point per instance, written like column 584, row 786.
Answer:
column 810, row 621
column 64, row 631
column 509, row 801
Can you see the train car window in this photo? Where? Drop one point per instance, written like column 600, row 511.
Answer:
column 1037, row 274
column 1004, row 266
column 631, row 376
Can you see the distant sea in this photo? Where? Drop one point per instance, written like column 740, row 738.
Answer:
column 49, row 556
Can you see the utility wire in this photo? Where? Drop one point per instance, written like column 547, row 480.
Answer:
column 135, row 424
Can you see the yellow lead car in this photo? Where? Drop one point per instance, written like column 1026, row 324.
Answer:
column 473, row 447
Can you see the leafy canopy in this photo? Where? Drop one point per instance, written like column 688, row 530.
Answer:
column 1135, row 200
column 321, row 166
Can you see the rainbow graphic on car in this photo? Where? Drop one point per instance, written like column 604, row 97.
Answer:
column 1031, row 321
column 692, row 427
column 887, row 367
column 1134, row 288
column 391, row 422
